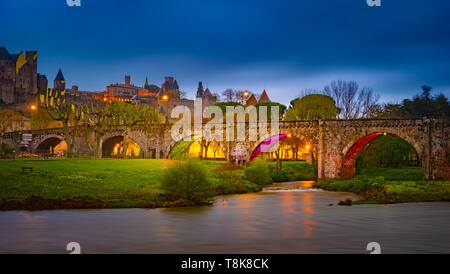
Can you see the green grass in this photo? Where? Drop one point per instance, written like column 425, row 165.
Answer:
column 400, row 174
column 292, row 171
column 107, row 180
column 86, row 183
column 391, row 185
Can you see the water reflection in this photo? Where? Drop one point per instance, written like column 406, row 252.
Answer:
column 285, row 218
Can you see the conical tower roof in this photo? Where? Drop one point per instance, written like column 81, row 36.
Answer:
column 207, row 93
column 264, row 97
column 59, row 76
column 251, row 101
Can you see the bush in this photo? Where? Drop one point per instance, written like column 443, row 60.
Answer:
column 292, row 171
column 229, row 179
column 188, row 181
column 7, row 149
column 259, row 172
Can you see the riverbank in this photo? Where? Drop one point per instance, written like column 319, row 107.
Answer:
column 88, row 183
column 112, row 183
column 388, row 186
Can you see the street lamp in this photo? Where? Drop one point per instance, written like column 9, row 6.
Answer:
column 33, row 107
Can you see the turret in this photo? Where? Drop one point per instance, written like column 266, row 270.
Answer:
column 59, row 83
column 200, row 90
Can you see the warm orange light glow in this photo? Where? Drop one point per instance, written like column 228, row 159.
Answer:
column 246, row 93
column 165, row 97
column 33, row 107
column 289, row 135
column 308, row 146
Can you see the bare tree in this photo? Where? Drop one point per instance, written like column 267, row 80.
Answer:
column 217, row 95
column 353, row 102
column 228, row 95
column 241, row 96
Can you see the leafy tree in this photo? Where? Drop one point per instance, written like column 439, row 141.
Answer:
column 95, row 118
column 8, row 120
column 425, row 105
column 281, row 107
column 312, row 107
column 351, row 100
column 223, row 105
column 67, row 109
column 387, row 151
column 41, row 119
column 129, row 115
column 387, row 111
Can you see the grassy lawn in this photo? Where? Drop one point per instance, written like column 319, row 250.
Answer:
column 98, row 183
column 391, row 185
column 116, row 182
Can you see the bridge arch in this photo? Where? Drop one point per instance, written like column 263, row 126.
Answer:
column 354, row 149
column 112, row 147
column 50, row 142
column 189, row 147
column 298, row 145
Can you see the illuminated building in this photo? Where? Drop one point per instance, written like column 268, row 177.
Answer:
column 20, row 82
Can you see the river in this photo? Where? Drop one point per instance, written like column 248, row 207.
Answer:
column 287, row 218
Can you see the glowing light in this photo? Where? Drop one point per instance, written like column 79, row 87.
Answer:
column 246, row 93
column 165, row 98
column 385, row 134
column 308, row 146
column 33, row 107
column 289, row 135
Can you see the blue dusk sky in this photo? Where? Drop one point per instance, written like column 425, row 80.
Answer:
column 282, row 46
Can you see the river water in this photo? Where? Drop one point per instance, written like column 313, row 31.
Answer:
column 287, row 218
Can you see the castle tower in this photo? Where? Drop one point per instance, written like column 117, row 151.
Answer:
column 59, row 83
column 200, row 90
column 31, row 57
column 127, row 80
column 146, row 86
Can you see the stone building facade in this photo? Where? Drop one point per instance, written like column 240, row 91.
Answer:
column 20, row 82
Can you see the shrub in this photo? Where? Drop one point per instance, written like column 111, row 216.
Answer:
column 188, row 181
column 229, row 179
column 259, row 172
column 7, row 149
column 292, row 171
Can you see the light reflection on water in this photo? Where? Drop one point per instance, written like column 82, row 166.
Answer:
column 285, row 218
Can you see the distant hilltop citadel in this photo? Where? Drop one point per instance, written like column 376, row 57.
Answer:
column 21, row 84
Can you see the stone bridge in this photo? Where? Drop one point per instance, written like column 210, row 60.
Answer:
column 337, row 143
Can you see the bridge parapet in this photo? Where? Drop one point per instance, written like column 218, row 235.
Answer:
column 330, row 139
